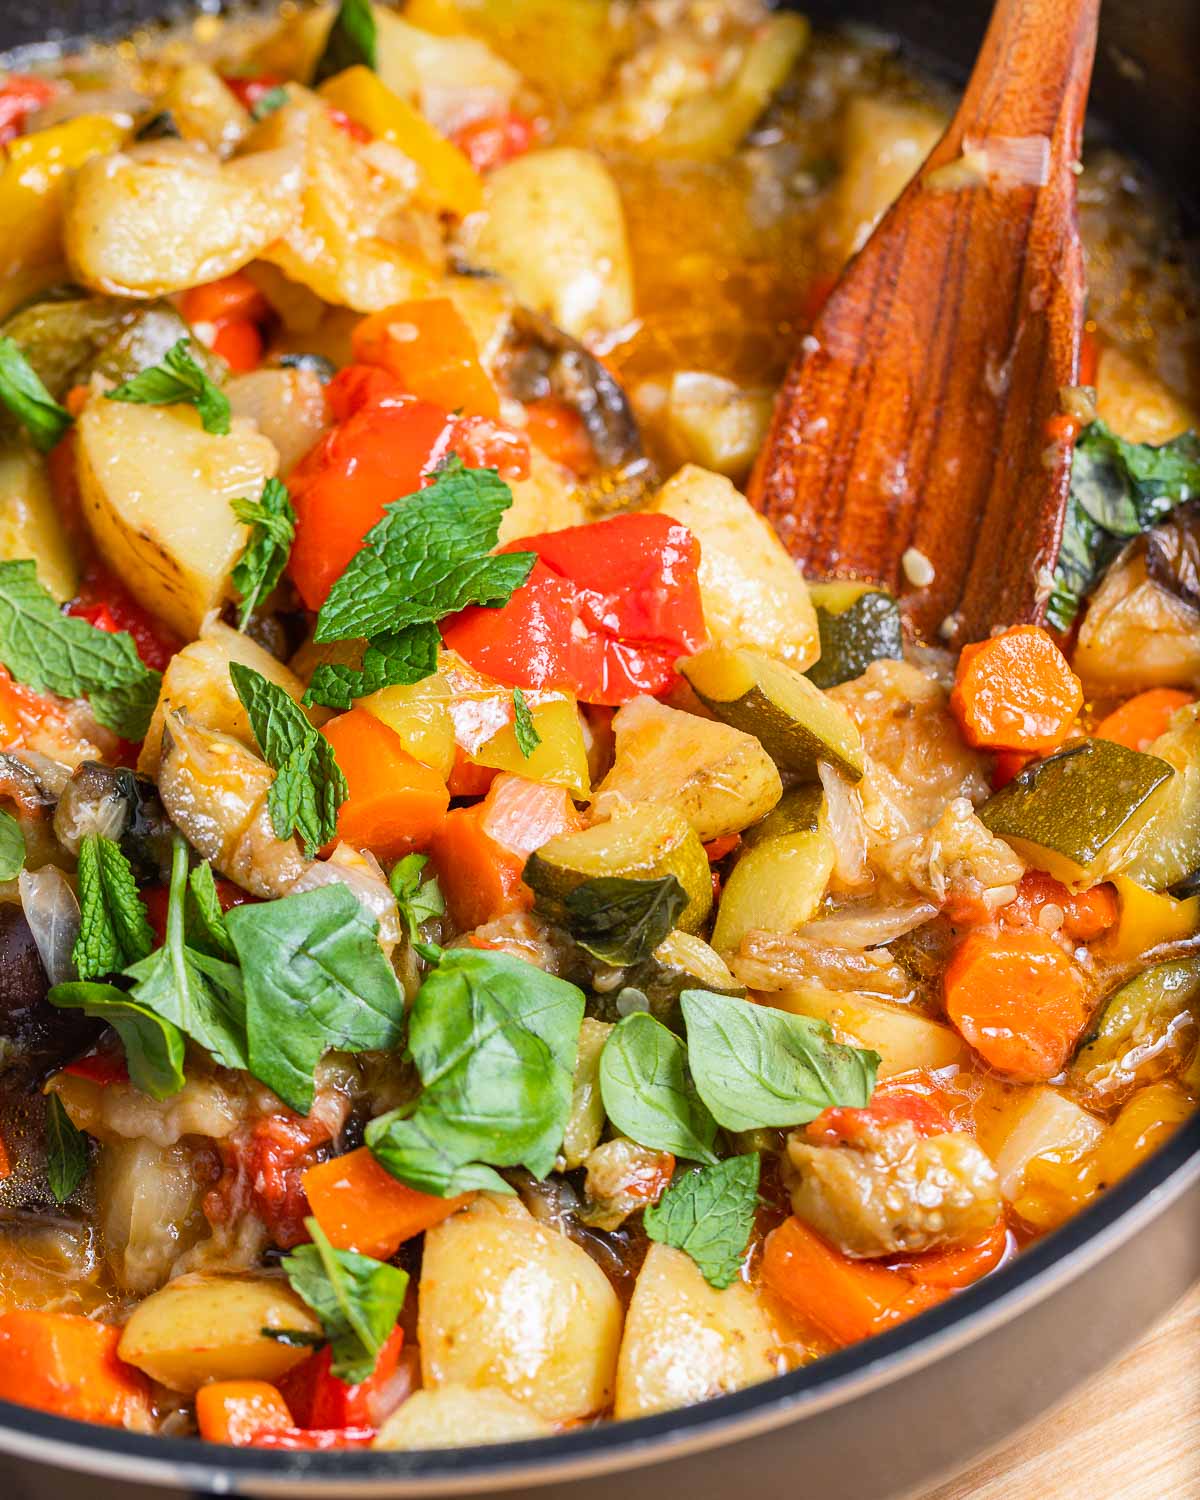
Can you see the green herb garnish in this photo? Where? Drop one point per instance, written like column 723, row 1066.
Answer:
column 352, row 40
column 113, row 929
column 709, row 1214
column 419, row 899
column 647, row 1093
column 272, row 523
column 178, row 381
column 66, row 1151
column 22, row 391
column 528, row 739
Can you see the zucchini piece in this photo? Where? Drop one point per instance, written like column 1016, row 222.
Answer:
column 643, row 848
column 1144, row 1024
column 858, row 624
column 797, row 811
column 720, row 779
column 796, row 724
column 1076, row 813
column 777, row 885
column 1167, row 850
column 683, row 961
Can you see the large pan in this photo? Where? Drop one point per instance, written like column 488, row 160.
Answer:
column 875, row 1422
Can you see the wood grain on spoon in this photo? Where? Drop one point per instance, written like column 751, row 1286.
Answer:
column 917, row 414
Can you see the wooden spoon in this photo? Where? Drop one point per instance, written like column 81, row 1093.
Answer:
column 918, row 411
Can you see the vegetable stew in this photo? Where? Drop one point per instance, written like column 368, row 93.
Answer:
column 472, row 913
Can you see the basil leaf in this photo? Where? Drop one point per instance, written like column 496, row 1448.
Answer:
column 113, row 929
column 419, row 900
column 389, row 661
column 494, row 1040
column 295, row 1338
column 429, row 557
column 56, row 653
column 709, row 1214
column 352, row 39
column 154, row 1049
column 272, row 523
column 528, row 739
column 357, row 1299
column 316, row 980
column 309, row 787
column 66, row 1151
column 204, row 921
column 199, row 996
column 621, row 920
column 647, row 1093
column 12, row 847
column 178, row 381
column 754, row 1065
column 1118, row 490
column 272, row 100
column 23, row 393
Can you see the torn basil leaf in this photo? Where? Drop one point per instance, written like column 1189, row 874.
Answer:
column 647, row 1093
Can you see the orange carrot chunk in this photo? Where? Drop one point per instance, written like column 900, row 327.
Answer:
column 1015, row 692
column 1141, row 719
column 66, row 1364
column 1018, row 999
column 958, row 1265
column 395, row 804
column 479, row 878
column 846, row 1299
column 235, row 1411
column 1085, row 914
column 362, row 1207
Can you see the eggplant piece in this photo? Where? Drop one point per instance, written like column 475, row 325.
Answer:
column 540, row 360
column 1144, row 1029
column 1173, row 555
column 35, row 1037
column 125, row 807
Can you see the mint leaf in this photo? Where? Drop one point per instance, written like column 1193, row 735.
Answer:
column 55, row 653
column 309, row 787
column 204, row 921
column 709, row 1214
column 528, row 739
column 199, row 995
column 647, row 1093
column 12, row 847
column 494, row 1040
column 357, row 1299
column 316, row 980
column 756, row 1066
column 272, row 523
column 154, row 1049
column 389, row 661
column 272, row 100
column 178, row 381
column 429, row 557
column 352, row 39
column 22, row 391
column 66, row 1151
column 113, row 929
column 419, row 900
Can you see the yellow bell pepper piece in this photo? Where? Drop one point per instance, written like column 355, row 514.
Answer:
column 420, row 714
column 447, row 180
column 32, row 183
column 1147, row 919
column 442, row 17
column 561, row 757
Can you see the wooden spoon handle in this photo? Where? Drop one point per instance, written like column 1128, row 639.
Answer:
column 917, row 413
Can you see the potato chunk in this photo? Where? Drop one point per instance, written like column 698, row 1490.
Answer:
column 453, row 1414
column 162, row 217
column 508, row 1303
column 1136, row 404
column 883, row 144
column 202, row 1328
column 684, row 1341
column 719, row 778
column 156, row 492
column 30, row 524
column 753, row 592
column 553, row 225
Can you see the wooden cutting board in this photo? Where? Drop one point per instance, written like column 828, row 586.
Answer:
column 1132, row 1434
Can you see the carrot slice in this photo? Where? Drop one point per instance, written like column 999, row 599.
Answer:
column 395, row 804
column 234, row 1411
column 1018, row 999
column 362, row 1207
column 1015, row 692
column 1141, row 719
column 63, row 1363
column 846, row 1299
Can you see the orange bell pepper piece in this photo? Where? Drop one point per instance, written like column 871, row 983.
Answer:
column 68, row 1365
column 236, row 1411
column 395, row 804
column 429, row 348
column 362, row 1207
column 958, row 1265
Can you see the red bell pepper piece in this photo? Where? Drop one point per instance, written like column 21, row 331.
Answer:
column 608, row 610
column 251, row 91
column 20, row 96
column 109, row 605
column 101, row 1066
column 491, row 142
column 317, row 1398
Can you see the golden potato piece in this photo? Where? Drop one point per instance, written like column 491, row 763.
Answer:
column 30, row 524
column 201, row 1328
column 453, row 1415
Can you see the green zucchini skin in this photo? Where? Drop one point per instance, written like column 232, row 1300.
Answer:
column 1135, row 1023
column 854, row 635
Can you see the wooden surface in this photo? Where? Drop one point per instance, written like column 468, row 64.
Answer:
column 1132, row 1434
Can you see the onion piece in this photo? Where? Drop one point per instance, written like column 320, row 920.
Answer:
column 847, row 827
column 52, row 910
column 870, row 924
column 1010, row 160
